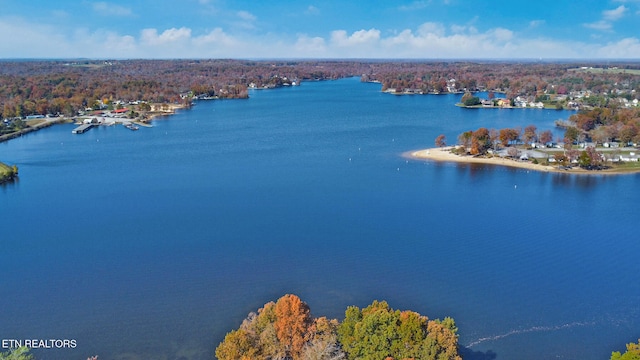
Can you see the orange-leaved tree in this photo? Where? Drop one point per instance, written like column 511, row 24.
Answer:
column 293, row 318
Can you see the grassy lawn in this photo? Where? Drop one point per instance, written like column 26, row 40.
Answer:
column 608, row 71
column 626, row 166
column 631, row 166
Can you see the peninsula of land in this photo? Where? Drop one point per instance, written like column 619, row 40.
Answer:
column 444, row 154
column 7, row 173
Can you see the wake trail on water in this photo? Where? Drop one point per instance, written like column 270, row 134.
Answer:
column 529, row 330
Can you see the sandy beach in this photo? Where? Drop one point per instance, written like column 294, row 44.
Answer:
column 444, row 154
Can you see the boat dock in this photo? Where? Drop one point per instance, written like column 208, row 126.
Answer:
column 82, row 129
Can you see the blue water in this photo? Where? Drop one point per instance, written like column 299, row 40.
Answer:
column 153, row 244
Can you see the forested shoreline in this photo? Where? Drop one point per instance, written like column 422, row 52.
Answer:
column 65, row 87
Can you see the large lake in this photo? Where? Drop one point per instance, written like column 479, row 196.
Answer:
column 153, row 244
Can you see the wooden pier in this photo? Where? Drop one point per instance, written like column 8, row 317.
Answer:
column 82, row 129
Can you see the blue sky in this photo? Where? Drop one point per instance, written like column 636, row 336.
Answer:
column 414, row 29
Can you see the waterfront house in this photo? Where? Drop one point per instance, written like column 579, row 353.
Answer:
column 503, row 102
column 631, row 157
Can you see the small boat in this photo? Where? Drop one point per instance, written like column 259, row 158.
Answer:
column 131, row 126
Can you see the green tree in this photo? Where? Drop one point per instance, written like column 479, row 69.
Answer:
column 464, row 139
column 472, row 101
column 21, row 353
column 380, row 332
column 584, row 160
column 632, row 353
column 236, row 345
column 572, row 133
column 467, row 95
column 19, row 124
column 144, row 107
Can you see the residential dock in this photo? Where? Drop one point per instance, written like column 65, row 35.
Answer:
column 82, row 129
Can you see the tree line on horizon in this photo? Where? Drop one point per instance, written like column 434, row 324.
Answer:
column 52, row 87
column 64, row 87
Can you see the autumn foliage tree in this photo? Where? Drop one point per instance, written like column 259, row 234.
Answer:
column 480, row 141
column 292, row 323
column 441, row 141
column 530, row 134
column 282, row 330
column 546, row 137
column 286, row 330
column 508, row 135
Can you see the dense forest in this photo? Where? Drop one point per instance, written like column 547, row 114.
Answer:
column 66, row 87
column 59, row 87
column 287, row 330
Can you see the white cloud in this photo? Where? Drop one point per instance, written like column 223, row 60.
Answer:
column 599, row 25
column 615, row 14
column 104, row 8
column 501, row 34
column 431, row 28
column 168, row 37
column 360, row 37
column 625, row 48
column 458, row 29
column 536, row 23
column 310, row 46
column 416, row 5
column 246, row 20
column 427, row 41
column 215, row 37
column 245, row 15
column 312, row 10
column 608, row 17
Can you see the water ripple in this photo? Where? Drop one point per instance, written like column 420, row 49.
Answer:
column 528, row 330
